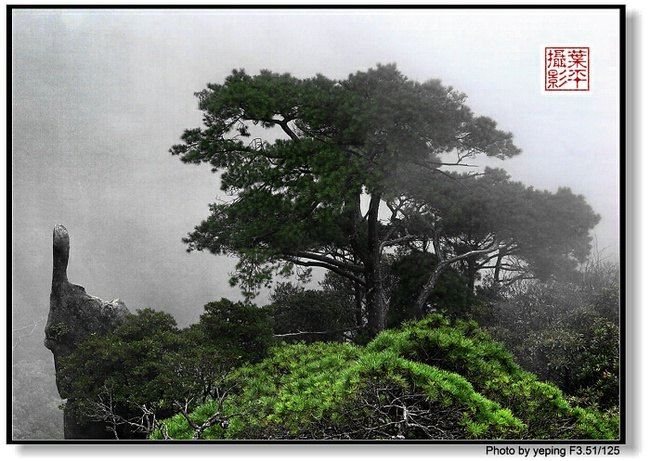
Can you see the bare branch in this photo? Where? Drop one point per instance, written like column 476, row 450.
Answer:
column 320, row 257
column 326, row 332
column 334, row 269
column 395, row 241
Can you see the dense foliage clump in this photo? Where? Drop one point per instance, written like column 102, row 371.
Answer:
column 337, row 391
column 465, row 349
column 311, row 315
column 430, row 379
column 567, row 333
column 452, row 294
column 148, row 368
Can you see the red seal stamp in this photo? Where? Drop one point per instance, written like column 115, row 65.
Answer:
column 566, row 68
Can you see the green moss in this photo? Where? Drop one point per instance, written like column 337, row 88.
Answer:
column 57, row 331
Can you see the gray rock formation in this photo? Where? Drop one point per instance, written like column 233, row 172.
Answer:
column 74, row 315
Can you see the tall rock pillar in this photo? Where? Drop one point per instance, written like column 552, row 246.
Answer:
column 74, row 315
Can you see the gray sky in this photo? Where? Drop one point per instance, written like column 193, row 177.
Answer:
column 99, row 97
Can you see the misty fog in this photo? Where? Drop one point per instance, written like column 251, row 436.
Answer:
column 100, row 96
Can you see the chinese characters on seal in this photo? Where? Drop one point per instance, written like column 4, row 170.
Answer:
column 566, row 68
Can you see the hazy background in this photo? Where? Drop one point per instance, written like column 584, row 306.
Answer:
column 100, row 96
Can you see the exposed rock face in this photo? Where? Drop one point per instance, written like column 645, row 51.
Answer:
column 75, row 315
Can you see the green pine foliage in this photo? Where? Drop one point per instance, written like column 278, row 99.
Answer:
column 296, row 309
column 463, row 348
column 430, row 379
column 411, row 271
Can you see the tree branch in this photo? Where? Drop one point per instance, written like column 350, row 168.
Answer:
column 334, row 269
column 322, row 258
column 405, row 238
column 300, row 333
column 469, row 254
column 284, row 124
column 428, row 287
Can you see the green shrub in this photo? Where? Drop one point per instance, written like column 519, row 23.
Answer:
column 295, row 309
column 324, row 391
column 146, row 367
column 465, row 349
column 566, row 333
column 584, row 363
column 429, row 380
column 241, row 331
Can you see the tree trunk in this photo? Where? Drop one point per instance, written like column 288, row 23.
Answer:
column 376, row 303
column 497, row 273
column 377, row 307
column 358, row 305
column 471, row 274
column 427, row 289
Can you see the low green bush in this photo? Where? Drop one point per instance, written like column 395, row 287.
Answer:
column 463, row 348
column 328, row 390
column 428, row 380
